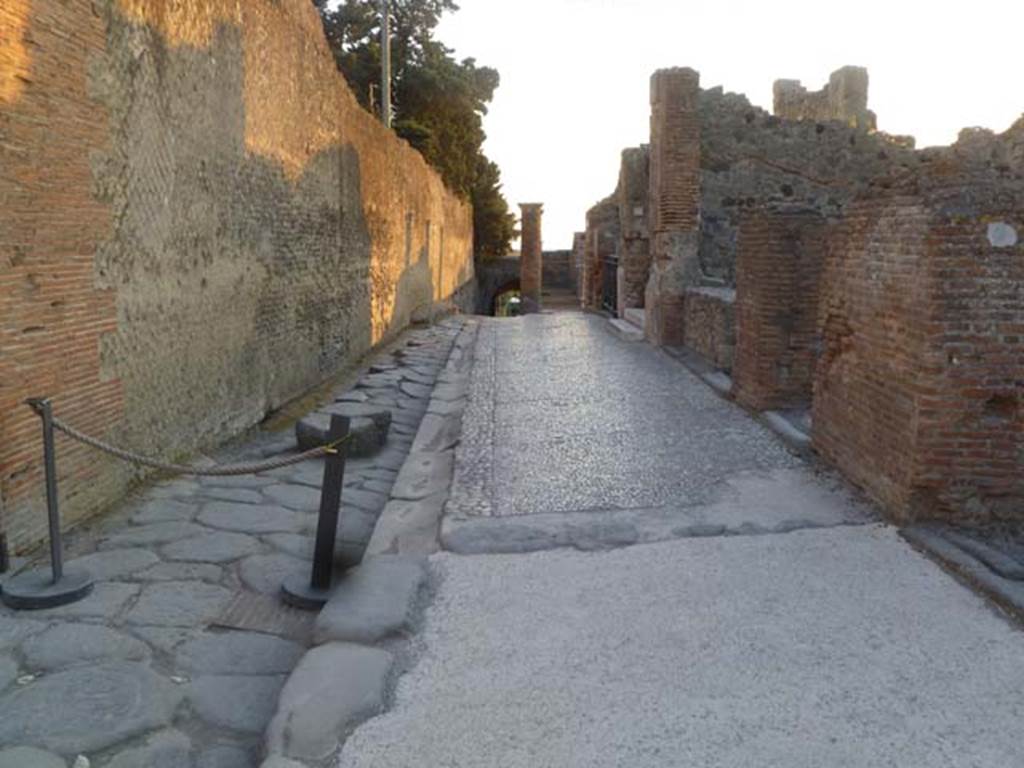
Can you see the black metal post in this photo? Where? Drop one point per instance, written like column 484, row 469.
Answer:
column 37, row 589
column 52, row 509
column 315, row 593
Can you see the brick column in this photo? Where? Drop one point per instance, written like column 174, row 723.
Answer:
column 531, row 259
column 634, row 239
column 674, row 201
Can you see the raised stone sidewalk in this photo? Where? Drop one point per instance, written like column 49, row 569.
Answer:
column 180, row 655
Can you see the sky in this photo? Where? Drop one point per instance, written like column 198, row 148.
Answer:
column 575, row 74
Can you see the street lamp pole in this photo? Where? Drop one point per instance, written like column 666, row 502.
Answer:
column 385, row 70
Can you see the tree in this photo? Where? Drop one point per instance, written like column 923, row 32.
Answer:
column 439, row 102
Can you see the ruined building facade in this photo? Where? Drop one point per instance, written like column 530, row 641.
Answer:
column 829, row 267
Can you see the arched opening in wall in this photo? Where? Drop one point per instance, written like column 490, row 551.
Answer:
column 507, row 300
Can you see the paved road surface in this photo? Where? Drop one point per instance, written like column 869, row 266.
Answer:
column 674, row 589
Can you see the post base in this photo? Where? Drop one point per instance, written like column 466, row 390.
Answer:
column 35, row 590
column 297, row 592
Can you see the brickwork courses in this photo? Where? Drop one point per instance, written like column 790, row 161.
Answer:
column 209, row 226
column 918, row 393
column 778, row 273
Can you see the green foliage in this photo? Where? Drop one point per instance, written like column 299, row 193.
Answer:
column 439, row 102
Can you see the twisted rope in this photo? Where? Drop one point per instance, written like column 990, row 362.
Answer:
column 180, row 469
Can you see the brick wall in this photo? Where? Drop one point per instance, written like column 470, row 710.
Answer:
column 779, row 263
column 710, row 324
column 674, row 201
column 635, row 242
column 918, row 393
column 198, row 223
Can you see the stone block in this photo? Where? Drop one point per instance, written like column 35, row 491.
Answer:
column 334, row 688
column 373, row 601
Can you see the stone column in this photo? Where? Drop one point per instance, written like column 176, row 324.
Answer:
column 674, row 201
column 531, row 259
column 634, row 239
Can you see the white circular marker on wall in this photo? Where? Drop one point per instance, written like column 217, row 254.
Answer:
column 1002, row 235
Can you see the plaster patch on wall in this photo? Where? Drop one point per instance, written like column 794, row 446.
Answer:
column 1002, row 235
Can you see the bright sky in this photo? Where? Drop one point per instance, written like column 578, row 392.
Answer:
column 575, row 74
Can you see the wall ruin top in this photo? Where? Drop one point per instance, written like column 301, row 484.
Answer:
column 844, row 99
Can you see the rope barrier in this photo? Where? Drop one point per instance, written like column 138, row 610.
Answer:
column 181, row 469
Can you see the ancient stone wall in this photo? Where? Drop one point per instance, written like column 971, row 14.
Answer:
column 199, row 223
column 558, row 271
column 710, row 324
column 918, row 393
column 778, row 275
column 750, row 158
column 635, row 240
column 844, row 99
column 602, row 241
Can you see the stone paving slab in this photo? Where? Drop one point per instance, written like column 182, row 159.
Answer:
column 168, row 565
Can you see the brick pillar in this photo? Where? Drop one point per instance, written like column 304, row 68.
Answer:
column 531, row 260
column 634, row 243
column 674, row 201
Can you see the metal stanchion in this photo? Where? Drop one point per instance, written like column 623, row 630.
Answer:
column 313, row 593
column 41, row 589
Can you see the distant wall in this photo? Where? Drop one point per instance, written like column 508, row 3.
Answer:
column 558, row 271
column 844, row 99
column 199, row 224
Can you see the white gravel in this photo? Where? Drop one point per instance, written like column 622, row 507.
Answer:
column 828, row 648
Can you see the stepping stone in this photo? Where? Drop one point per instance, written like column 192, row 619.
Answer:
column 174, row 489
column 253, row 482
column 418, row 377
column 250, row 518
column 334, row 688
column 266, row 573
column 355, row 396
column 114, row 564
column 182, row 572
column 8, row 673
column 179, row 604
column 151, row 535
column 88, row 709
column 29, row 757
column 164, row 511
column 67, row 645
column 373, row 601
column 239, row 703
column 218, row 547
column 167, row 749
column 424, row 474
column 298, row 497
column 226, row 757
column 368, row 428
column 238, row 653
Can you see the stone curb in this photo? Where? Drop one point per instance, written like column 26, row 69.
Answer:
column 1006, row 593
column 342, row 681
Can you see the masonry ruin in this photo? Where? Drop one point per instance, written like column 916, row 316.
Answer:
column 833, row 272
column 209, row 226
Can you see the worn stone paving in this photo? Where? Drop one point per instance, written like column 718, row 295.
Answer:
column 640, row 574
column 567, row 424
column 144, row 671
